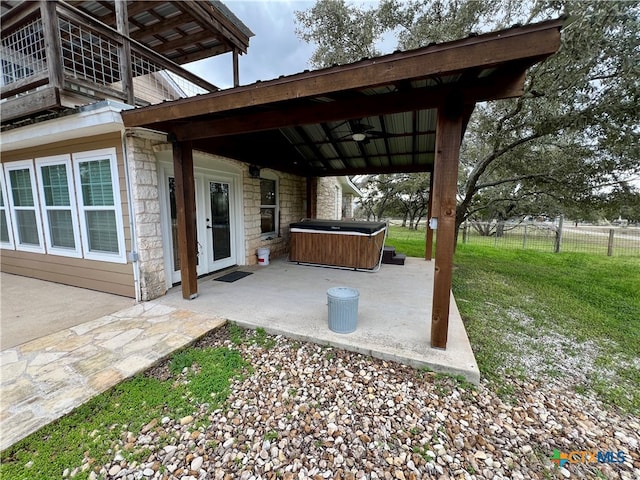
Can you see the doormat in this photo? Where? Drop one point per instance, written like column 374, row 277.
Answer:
column 232, row 277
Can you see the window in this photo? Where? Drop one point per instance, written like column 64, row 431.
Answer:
column 57, row 197
column 6, row 236
column 23, row 201
column 99, row 206
column 268, row 204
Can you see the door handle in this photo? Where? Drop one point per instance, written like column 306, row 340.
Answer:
column 209, row 227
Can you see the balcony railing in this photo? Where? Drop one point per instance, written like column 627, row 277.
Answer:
column 58, row 56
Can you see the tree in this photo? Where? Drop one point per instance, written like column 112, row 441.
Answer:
column 573, row 136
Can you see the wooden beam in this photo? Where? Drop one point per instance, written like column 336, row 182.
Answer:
column 531, row 43
column 163, row 26
column 428, row 251
column 34, row 102
column 305, row 113
column 236, row 69
column 312, row 112
column 186, row 217
column 124, row 51
column 182, row 42
column 134, row 8
column 213, row 20
column 53, row 49
column 448, row 139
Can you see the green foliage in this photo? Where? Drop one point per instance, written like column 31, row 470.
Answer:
column 589, row 305
column 96, row 428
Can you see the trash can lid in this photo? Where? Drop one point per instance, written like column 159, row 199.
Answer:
column 343, row 292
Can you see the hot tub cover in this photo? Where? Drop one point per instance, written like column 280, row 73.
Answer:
column 368, row 228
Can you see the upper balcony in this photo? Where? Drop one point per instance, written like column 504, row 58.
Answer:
column 56, row 54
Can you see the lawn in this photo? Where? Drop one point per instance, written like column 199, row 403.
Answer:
column 569, row 317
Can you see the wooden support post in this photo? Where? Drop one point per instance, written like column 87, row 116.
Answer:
column 186, row 217
column 53, row 49
column 236, row 69
column 124, row 51
column 312, row 197
column 448, row 139
column 428, row 251
column 610, row 243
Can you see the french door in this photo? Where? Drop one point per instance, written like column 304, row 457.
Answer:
column 215, row 233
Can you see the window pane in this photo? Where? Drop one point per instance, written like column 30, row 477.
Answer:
column 95, row 177
column 267, row 192
column 102, row 233
column 27, row 228
column 4, row 230
column 267, row 220
column 61, row 228
column 1, row 199
column 56, row 188
column 21, row 188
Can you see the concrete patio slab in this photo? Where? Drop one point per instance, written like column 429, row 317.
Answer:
column 394, row 311
column 31, row 308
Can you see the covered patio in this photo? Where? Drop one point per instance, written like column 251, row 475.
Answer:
column 403, row 112
column 290, row 299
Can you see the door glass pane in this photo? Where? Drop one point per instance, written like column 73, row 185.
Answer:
column 174, row 223
column 61, row 228
column 102, row 233
column 174, row 226
column 219, row 194
column 27, row 228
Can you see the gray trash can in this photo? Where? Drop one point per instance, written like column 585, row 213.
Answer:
column 343, row 309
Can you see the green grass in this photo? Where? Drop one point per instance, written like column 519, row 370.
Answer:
column 569, row 315
column 94, row 429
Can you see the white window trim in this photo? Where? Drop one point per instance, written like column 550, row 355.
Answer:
column 59, row 160
column 268, row 175
column 95, row 155
column 22, row 165
column 7, row 212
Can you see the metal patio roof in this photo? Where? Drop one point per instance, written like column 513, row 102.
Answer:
column 304, row 123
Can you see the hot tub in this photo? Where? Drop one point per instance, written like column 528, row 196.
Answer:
column 337, row 243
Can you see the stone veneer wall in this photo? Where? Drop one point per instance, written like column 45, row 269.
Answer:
column 326, row 199
column 291, row 195
column 143, row 177
column 144, row 181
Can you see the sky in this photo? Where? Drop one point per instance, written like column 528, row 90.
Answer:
column 275, row 49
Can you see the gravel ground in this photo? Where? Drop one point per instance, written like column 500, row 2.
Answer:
column 308, row 411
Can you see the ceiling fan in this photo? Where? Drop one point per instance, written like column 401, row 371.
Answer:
column 361, row 132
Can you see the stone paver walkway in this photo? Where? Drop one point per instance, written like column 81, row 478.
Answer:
column 44, row 379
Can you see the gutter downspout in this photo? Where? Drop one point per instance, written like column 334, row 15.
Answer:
column 133, row 254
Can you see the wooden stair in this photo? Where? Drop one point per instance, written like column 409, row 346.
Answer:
column 390, row 257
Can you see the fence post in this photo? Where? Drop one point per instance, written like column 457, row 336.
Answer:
column 524, row 238
column 610, row 245
column 559, row 234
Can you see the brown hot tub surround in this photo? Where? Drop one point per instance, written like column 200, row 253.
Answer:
column 338, row 243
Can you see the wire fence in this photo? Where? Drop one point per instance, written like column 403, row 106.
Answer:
column 554, row 236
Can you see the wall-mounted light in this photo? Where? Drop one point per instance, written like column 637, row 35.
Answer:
column 254, row 171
